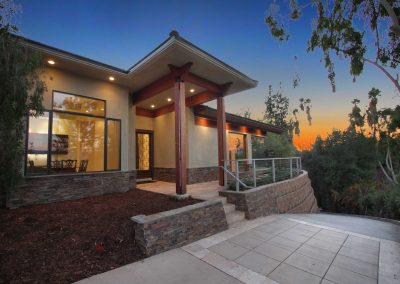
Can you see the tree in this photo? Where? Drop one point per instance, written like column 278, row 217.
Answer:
column 21, row 94
column 277, row 112
column 346, row 28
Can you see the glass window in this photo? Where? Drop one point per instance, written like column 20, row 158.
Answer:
column 143, row 147
column 74, row 103
column 237, row 146
column 77, row 143
column 113, row 144
column 258, row 147
column 37, row 147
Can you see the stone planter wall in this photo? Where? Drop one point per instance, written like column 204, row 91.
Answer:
column 171, row 229
column 52, row 188
column 290, row 196
column 194, row 175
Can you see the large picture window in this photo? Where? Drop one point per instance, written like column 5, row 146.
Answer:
column 75, row 137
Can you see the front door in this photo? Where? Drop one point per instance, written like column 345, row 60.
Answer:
column 144, row 153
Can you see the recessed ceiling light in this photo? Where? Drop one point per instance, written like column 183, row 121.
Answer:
column 152, row 106
column 86, row 110
column 191, row 90
column 111, row 78
column 169, row 99
column 51, row 62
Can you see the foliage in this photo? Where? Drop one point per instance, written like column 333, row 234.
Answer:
column 277, row 112
column 246, row 113
column 342, row 160
column 348, row 29
column 21, row 93
column 277, row 146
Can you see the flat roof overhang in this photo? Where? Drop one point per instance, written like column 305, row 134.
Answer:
column 211, row 114
column 174, row 51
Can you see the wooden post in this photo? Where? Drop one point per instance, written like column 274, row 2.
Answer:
column 180, row 136
column 221, row 128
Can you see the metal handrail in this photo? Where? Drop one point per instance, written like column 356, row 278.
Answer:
column 252, row 162
column 237, row 180
column 263, row 159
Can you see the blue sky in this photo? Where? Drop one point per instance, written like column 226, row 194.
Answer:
column 122, row 32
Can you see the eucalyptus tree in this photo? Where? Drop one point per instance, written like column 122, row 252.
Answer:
column 361, row 31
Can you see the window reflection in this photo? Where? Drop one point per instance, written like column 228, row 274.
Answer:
column 113, row 144
column 77, row 143
column 37, row 144
column 73, row 103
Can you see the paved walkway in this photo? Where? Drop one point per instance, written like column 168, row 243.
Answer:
column 275, row 249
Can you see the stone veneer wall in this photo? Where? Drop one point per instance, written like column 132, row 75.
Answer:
column 53, row 188
column 174, row 228
column 290, row 196
column 194, row 175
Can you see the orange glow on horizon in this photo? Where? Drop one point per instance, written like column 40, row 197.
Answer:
column 321, row 127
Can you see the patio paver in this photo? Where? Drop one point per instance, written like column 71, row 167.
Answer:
column 273, row 249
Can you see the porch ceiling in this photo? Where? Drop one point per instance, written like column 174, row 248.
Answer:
column 161, row 99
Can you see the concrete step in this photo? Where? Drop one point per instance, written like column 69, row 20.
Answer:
column 234, row 217
column 228, row 208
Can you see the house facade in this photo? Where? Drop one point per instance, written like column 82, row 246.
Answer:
column 104, row 128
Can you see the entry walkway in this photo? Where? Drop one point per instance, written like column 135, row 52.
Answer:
column 274, row 249
column 204, row 191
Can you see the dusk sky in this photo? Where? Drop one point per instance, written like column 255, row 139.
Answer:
column 120, row 33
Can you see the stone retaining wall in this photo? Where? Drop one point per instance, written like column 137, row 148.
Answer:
column 171, row 229
column 290, row 196
column 52, row 188
column 194, row 175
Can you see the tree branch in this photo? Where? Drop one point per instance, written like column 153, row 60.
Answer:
column 389, row 9
column 391, row 78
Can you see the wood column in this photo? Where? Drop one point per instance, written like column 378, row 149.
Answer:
column 180, row 136
column 221, row 129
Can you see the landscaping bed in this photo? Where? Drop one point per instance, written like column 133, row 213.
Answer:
column 68, row 241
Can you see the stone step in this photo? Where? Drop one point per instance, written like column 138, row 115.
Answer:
column 234, row 217
column 228, row 208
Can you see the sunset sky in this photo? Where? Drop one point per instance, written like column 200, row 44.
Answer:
column 120, row 33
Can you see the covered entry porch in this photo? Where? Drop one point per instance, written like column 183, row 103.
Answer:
column 169, row 144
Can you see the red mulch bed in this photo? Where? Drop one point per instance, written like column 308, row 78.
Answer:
column 68, row 241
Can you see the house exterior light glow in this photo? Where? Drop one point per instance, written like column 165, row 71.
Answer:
column 107, row 136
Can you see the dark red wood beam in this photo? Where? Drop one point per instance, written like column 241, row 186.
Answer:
column 164, row 83
column 204, row 83
column 180, row 137
column 144, row 112
column 221, row 133
column 180, row 72
column 200, row 98
column 190, row 101
column 164, row 110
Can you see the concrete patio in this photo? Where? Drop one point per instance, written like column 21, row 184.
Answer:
column 204, row 191
column 275, row 249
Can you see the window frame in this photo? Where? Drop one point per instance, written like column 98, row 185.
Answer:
column 106, row 144
column 244, row 141
column 74, row 112
column 50, row 136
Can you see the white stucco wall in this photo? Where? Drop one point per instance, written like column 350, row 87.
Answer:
column 203, row 144
column 117, row 97
column 146, row 123
column 164, row 141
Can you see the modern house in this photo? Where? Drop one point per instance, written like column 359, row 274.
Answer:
column 105, row 127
